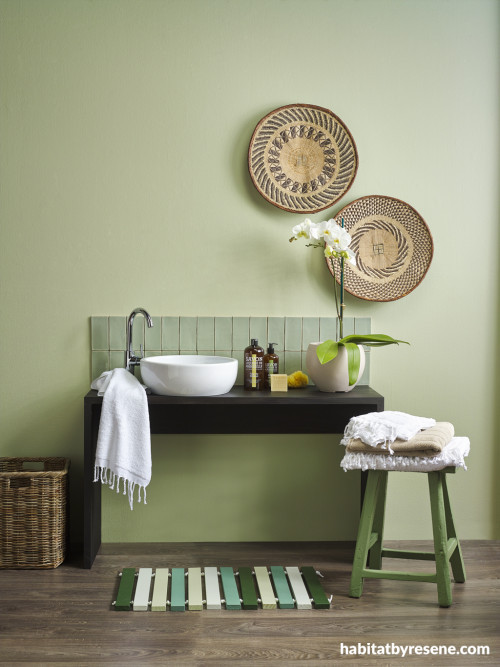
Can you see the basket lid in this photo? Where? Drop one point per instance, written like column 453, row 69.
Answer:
column 302, row 158
column 392, row 244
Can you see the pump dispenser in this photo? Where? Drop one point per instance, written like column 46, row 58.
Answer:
column 253, row 379
column 271, row 365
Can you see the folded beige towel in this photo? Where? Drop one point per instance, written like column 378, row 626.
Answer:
column 428, row 442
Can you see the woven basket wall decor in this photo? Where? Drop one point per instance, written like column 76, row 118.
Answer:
column 302, row 158
column 393, row 248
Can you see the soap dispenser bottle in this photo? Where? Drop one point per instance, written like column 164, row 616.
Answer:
column 253, row 378
column 271, row 365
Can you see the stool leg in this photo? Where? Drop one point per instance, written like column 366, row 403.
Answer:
column 456, row 560
column 375, row 554
column 435, row 479
column 364, row 532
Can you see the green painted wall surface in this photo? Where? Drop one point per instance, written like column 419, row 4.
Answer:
column 124, row 131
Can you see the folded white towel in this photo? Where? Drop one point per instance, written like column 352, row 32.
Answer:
column 375, row 428
column 453, row 454
column 124, row 440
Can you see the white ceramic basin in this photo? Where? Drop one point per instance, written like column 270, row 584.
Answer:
column 189, row 374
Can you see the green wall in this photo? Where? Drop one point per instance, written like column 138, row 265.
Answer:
column 124, row 131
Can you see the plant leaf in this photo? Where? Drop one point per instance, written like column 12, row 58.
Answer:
column 327, row 351
column 372, row 340
column 353, row 361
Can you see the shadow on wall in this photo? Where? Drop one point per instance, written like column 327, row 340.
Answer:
column 495, row 468
column 55, row 428
column 241, row 172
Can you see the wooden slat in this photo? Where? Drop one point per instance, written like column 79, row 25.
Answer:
column 285, row 599
column 124, row 596
column 298, row 587
column 266, row 591
column 315, row 589
column 248, row 588
column 212, row 592
column 230, row 588
column 195, row 597
column 178, row 590
column 159, row 599
column 142, row 588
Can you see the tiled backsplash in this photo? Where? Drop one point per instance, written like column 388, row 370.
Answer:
column 222, row 336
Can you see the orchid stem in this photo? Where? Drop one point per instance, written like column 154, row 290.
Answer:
column 337, row 308
column 342, row 304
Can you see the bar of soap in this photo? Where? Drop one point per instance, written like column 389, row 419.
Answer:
column 279, row 382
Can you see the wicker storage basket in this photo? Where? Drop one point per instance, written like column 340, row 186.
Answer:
column 33, row 512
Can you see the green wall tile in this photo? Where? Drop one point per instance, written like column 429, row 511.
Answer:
column 239, row 355
column 293, row 361
column 170, row 333
column 327, row 328
column 153, row 335
column 205, row 337
column 99, row 363
column 362, row 325
column 223, row 333
column 99, row 333
column 117, row 333
column 303, row 355
column 276, row 332
column 310, row 331
column 258, row 329
column 241, row 333
column 187, row 333
column 223, row 353
column 117, row 359
column 293, row 333
column 348, row 326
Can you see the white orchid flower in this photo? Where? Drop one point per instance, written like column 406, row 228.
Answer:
column 324, row 231
column 343, row 239
column 331, row 252
column 340, row 254
column 303, row 230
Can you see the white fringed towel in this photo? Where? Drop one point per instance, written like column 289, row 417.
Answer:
column 453, row 454
column 375, row 428
column 124, row 441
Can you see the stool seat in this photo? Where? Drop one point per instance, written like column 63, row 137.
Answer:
column 369, row 544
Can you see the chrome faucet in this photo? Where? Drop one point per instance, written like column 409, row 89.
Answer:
column 134, row 360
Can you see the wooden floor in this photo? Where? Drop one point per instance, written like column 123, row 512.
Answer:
column 64, row 616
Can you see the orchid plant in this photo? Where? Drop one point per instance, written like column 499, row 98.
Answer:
column 335, row 240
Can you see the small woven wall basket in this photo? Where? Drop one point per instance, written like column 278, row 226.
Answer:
column 33, row 512
column 392, row 244
column 302, row 158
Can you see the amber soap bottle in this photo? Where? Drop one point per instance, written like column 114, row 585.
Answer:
column 253, row 377
column 271, row 365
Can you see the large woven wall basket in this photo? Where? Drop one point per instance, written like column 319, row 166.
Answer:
column 392, row 244
column 302, row 158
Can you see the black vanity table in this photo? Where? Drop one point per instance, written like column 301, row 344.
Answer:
column 305, row 410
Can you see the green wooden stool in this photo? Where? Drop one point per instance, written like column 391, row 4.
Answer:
column 369, row 547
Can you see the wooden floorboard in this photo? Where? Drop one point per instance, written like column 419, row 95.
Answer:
column 65, row 616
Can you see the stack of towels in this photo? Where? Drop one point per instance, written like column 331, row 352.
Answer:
column 393, row 440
